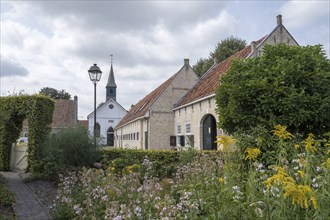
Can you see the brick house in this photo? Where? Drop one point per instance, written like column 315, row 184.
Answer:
column 149, row 123
column 195, row 117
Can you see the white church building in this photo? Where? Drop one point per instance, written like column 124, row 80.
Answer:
column 108, row 114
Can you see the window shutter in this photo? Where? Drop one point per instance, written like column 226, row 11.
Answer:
column 182, row 141
column 172, row 141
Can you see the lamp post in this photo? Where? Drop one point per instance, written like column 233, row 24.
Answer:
column 95, row 75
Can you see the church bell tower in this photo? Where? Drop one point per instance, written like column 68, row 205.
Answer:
column 111, row 85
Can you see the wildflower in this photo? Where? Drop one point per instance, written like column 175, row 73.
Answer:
column 327, row 145
column 299, row 194
column 328, row 163
column 310, row 143
column 301, row 173
column 221, row 180
column 296, row 146
column 281, row 132
column 252, row 153
column 226, row 142
column 279, row 178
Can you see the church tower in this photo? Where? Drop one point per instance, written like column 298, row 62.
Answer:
column 111, row 85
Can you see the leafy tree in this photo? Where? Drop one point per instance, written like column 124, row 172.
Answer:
column 55, row 94
column 222, row 51
column 287, row 85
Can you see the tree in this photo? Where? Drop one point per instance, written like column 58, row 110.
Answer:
column 55, row 94
column 287, row 85
column 222, row 51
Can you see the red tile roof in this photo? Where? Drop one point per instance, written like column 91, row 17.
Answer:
column 139, row 109
column 65, row 113
column 207, row 85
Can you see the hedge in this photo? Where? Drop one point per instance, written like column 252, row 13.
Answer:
column 164, row 162
column 38, row 110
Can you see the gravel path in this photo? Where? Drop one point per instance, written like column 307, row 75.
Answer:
column 33, row 199
column 44, row 191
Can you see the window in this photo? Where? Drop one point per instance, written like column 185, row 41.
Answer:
column 111, row 106
column 178, row 129
column 188, row 128
column 137, row 135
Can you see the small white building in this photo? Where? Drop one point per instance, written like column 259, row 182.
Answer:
column 108, row 114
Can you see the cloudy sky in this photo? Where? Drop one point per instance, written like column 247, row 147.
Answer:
column 54, row 43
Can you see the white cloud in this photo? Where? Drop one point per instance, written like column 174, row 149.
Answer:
column 303, row 14
column 57, row 41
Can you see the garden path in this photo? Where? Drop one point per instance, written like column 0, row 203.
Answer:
column 27, row 207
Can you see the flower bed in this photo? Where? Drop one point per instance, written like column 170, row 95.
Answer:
column 227, row 185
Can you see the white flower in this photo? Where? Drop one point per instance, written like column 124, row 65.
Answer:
column 315, row 185
column 118, row 217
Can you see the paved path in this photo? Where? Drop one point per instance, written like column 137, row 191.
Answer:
column 27, row 206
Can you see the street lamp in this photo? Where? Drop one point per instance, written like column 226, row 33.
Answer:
column 95, row 75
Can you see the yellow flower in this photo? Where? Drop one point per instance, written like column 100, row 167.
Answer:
column 221, row 180
column 281, row 177
column 111, row 169
column 281, row 132
column 252, row 153
column 310, row 143
column 301, row 173
column 328, row 163
column 226, row 142
column 296, row 146
column 313, row 201
column 327, row 144
column 299, row 194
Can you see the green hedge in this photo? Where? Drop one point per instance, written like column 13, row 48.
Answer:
column 13, row 110
column 164, row 162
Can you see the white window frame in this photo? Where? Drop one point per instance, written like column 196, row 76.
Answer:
column 185, row 126
column 178, row 129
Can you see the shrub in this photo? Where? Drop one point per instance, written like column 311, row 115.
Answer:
column 69, row 148
column 7, row 198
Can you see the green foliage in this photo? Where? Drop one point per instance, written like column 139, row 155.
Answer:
column 67, row 149
column 39, row 111
column 163, row 161
column 6, row 197
column 222, row 51
column 286, row 85
column 55, row 94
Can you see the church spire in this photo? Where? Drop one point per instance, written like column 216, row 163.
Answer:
column 111, row 85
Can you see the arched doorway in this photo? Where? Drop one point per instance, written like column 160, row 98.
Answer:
column 110, row 137
column 209, row 133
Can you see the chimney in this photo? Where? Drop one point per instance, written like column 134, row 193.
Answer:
column 186, row 63
column 279, row 19
column 253, row 47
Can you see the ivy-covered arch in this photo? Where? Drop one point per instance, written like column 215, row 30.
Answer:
column 38, row 110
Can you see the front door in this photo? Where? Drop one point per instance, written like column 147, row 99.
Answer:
column 209, row 133
column 110, row 137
